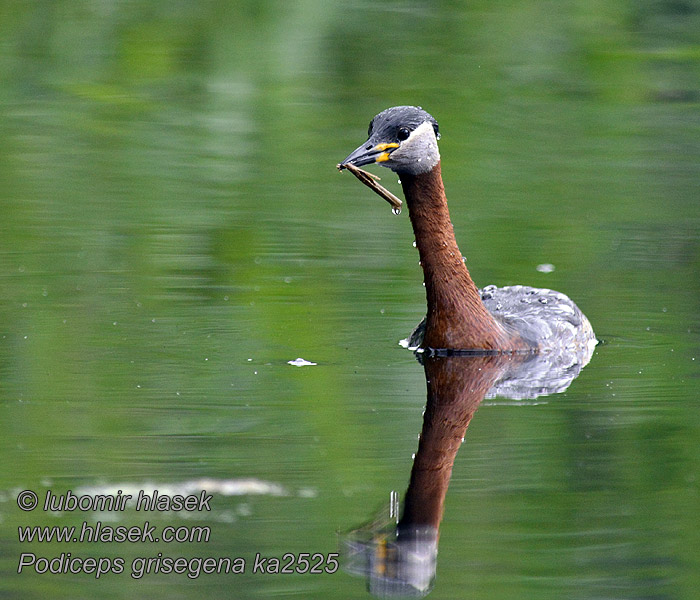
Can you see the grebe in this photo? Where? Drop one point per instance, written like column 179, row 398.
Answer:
column 461, row 317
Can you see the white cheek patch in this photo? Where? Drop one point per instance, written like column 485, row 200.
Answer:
column 417, row 154
column 419, row 134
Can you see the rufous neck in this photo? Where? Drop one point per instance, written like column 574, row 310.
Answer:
column 456, row 387
column 457, row 318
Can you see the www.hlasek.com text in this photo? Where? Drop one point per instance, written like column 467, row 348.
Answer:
column 102, row 533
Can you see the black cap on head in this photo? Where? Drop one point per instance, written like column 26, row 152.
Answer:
column 387, row 123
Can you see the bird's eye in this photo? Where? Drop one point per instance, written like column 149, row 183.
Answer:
column 403, row 134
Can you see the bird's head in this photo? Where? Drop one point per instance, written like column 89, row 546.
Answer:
column 402, row 138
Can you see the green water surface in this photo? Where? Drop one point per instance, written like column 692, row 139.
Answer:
column 173, row 232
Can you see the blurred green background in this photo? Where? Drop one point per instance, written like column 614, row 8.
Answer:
column 173, row 231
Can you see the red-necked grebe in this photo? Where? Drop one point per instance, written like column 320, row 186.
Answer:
column 460, row 316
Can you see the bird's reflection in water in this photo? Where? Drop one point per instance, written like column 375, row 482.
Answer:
column 398, row 554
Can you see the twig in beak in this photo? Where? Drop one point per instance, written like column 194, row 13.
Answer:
column 370, row 180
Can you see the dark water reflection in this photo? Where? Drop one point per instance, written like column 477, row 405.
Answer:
column 402, row 560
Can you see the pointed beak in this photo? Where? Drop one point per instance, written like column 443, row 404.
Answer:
column 369, row 153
